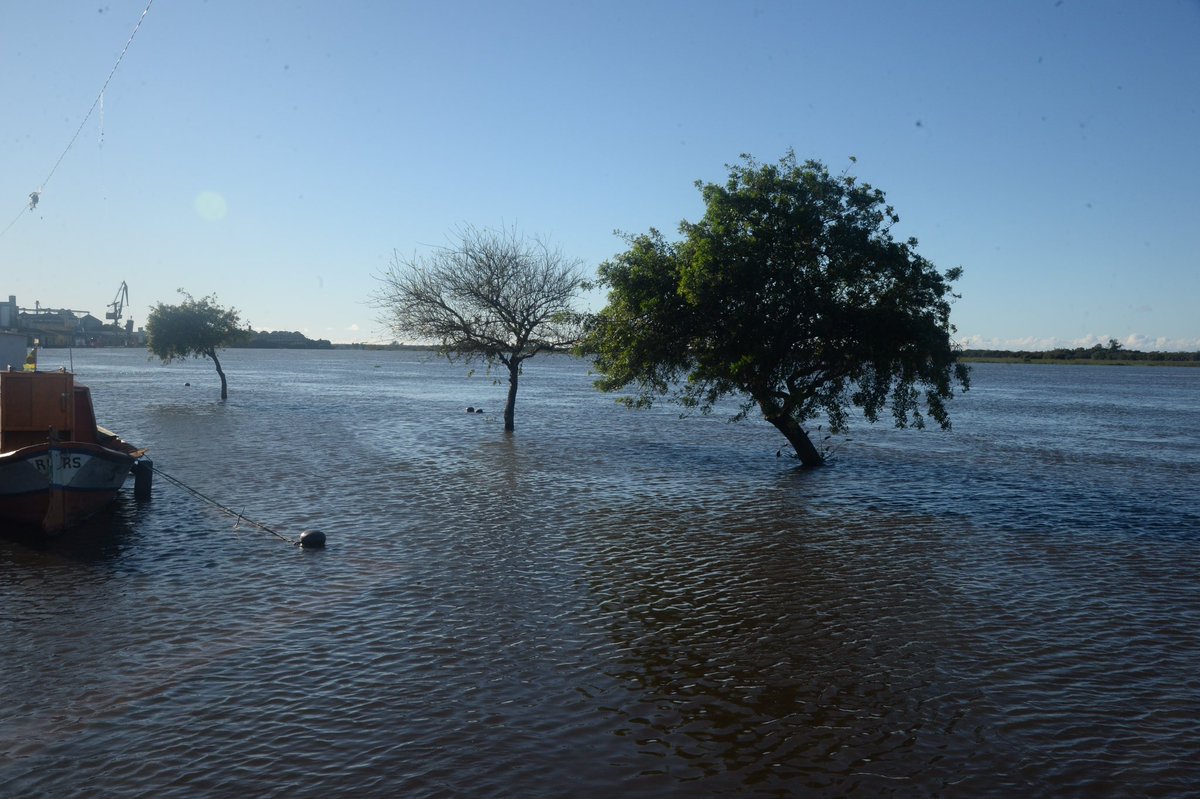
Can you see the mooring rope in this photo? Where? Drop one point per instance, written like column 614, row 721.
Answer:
column 241, row 517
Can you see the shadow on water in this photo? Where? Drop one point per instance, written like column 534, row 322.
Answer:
column 98, row 539
column 777, row 642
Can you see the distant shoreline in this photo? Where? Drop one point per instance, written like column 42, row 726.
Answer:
column 1094, row 356
column 1076, row 362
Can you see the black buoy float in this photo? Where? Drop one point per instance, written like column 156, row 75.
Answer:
column 143, row 478
column 312, row 539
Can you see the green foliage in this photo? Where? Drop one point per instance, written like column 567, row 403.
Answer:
column 790, row 292
column 194, row 328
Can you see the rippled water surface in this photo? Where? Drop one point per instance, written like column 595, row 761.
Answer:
column 611, row 603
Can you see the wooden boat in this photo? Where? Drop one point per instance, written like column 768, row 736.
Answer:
column 57, row 466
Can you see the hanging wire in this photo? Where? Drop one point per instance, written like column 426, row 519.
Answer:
column 17, row 217
column 34, row 196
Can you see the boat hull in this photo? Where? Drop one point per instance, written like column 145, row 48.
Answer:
column 55, row 485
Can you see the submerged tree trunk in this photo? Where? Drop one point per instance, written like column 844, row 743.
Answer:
column 510, row 407
column 794, row 433
column 224, row 386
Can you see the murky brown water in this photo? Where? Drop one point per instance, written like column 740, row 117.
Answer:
column 612, row 603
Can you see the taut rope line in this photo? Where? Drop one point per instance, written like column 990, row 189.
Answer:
column 241, row 517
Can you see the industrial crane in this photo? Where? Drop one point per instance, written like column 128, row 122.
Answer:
column 118, row 305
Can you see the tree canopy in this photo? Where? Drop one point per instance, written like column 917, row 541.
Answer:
column 193, row 328
column 791, row 293
column 491, row 295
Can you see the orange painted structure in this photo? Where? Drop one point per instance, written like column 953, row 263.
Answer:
column 57, row 466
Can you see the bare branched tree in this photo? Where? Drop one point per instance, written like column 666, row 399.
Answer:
column 492, row 295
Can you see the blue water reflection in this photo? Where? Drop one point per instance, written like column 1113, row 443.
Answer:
column 611, row 602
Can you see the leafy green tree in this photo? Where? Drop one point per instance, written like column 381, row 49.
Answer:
column 194, row 328
column 790, row 293
column 492, row 295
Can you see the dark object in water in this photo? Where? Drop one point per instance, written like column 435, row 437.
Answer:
column 143, row 478
column 312, row 539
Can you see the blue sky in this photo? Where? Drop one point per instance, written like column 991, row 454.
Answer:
column 277, row 153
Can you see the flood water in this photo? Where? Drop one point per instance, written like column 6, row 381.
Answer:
column 609, row 602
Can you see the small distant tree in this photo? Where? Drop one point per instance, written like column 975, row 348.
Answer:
column 790, row 292
column 195, row 328
column 491, row 295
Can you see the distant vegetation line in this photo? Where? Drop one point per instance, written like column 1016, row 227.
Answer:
column 294, row 340
column 1112, row 355
column 281, row 340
